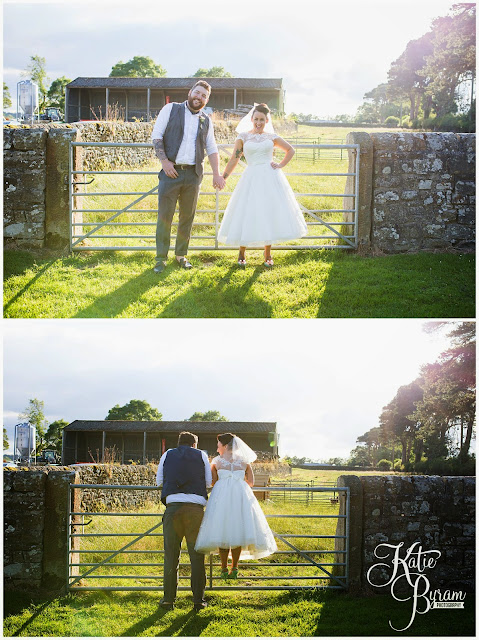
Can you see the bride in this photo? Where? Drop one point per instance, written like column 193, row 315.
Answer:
column 262, row 209
column 233, row 519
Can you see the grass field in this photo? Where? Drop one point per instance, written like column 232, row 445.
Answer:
column 306, row 284
column 238, row 614
column 284, row 613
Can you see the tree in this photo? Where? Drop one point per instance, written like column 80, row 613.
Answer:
column 34, row 415
column 449, row 402
column 453, row 57
column 37, row 73
column 214, row 72
column 207, row 416
column 5, row 439
column 54, row 434
column 134, row 410
column 138, row 67
column 56, row 93
column 397, row 420
column 7, row 99
column 404, row 77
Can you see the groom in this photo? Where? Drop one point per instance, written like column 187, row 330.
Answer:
column 182, row 135
column 184, row 474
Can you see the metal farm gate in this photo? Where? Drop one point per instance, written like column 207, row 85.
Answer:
column 313, row 555
column 110, row 217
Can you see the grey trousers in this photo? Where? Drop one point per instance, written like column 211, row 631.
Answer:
column 184, row 189
column 182, row 520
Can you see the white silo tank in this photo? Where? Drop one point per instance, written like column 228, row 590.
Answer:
column 25, row 441
column 27, row 98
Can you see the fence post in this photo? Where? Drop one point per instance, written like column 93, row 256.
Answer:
column 355, row 531
column 55, row 534
column 57, row 205
column 365, row 191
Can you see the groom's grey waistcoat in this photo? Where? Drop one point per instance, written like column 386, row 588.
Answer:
column 174, row 131
column 183, row 472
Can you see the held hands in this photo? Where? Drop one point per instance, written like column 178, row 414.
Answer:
column 219, row 182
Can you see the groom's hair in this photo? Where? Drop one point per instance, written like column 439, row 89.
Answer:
column 188, row 438
column 204, row 84
column 225, row 438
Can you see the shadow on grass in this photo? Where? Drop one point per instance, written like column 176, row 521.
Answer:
column 203, row 301
column 15, row 603
column 30, row 283
column 112, row 304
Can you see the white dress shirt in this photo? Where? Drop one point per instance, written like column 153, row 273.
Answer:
column 185, row 497
column 187, row 150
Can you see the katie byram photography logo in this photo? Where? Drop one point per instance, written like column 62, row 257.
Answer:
column 403, row 571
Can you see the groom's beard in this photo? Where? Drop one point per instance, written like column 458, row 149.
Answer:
column 195, row 104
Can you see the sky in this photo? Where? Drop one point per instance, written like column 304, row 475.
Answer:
column 324, row 381
column 328, row 54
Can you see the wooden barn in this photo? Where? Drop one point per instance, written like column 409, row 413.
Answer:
column 142, row 98
column 145, row 441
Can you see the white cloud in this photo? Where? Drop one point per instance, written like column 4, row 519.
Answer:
column 328, row 54
column 324, row 382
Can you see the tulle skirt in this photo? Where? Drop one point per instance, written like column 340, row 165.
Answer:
column 262, row 210
column 233, row 518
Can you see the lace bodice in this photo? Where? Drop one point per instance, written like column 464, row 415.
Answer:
column 258, row 147
column 224, row 463
column 248, row 136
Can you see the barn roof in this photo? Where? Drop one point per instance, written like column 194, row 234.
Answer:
column 174, row 83
column 165, row 426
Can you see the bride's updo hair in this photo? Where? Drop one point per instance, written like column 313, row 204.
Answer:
column 225, row 439
column 263, row 108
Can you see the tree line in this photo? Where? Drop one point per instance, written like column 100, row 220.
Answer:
column 49, row 435
column 429, row 78
column 429, row 425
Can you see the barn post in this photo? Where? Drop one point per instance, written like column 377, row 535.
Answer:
column 103, row 439
column 148, row 97
column 144, row 447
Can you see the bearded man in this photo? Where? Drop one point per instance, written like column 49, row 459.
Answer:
column 182, row 135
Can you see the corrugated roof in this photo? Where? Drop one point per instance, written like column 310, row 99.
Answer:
column 165, row 426
column 175, row 83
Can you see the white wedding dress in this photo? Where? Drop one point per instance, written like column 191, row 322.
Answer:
column 233, row 517
column 263, row 209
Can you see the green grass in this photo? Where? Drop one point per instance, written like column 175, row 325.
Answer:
column 306, row 284
column 238, row 614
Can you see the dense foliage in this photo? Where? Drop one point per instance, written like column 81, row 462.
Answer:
column 207, row 416
column 433, row 78
column 134, row 410
column 429, row 424
column 213, row 72
column 138, row 67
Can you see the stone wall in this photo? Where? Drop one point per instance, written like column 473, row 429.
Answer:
column 35, row 526
column 111, row 499
column 24, row 170
column 438, row 512
column 417, row 190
